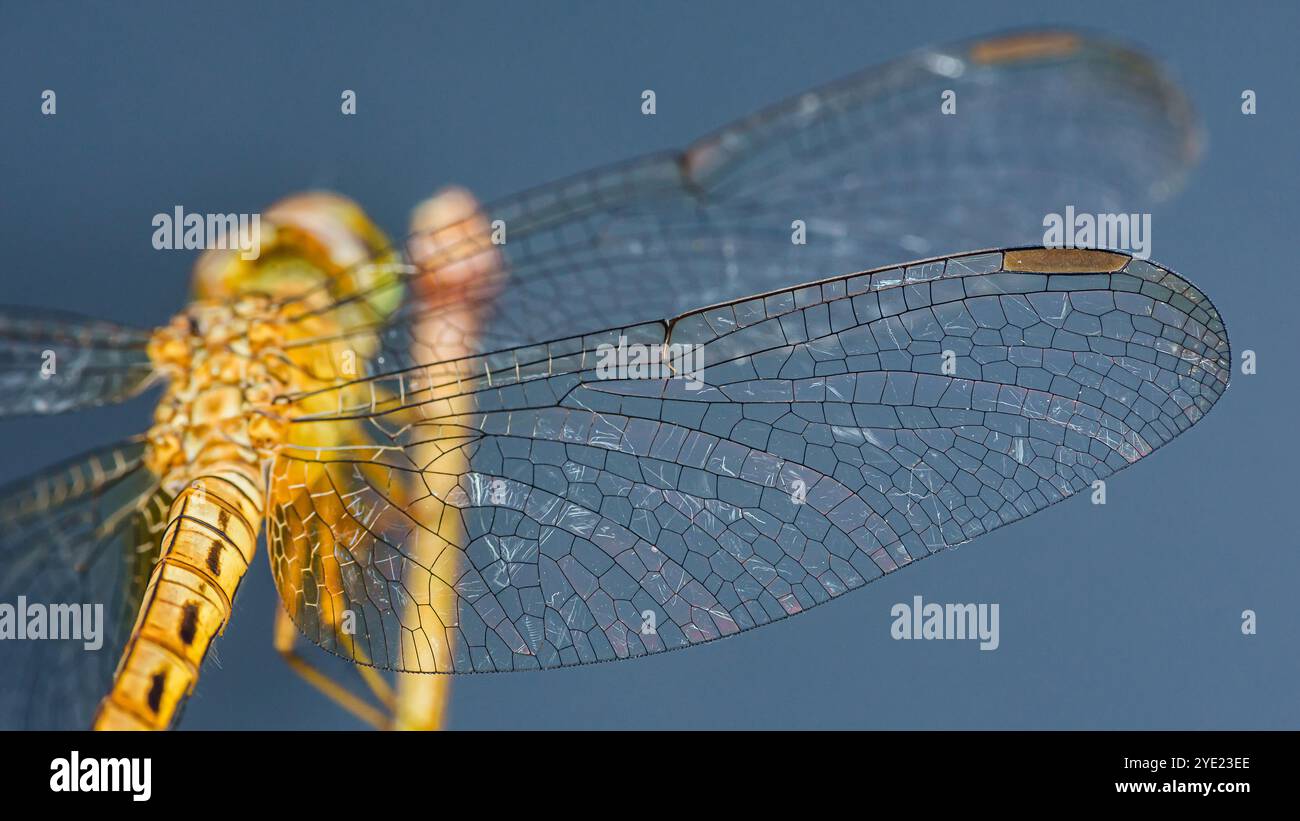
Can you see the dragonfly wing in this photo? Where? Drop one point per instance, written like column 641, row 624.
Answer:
column 80, row 535
column 867, row 170
column 524, row 509
column 51, row 361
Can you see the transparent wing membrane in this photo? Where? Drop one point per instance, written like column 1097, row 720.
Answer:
column 532, row 508
column 77, row 535
column 51, row 361
column 529, row 474
column 871, row 167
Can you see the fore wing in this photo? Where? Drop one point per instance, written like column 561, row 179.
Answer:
column 522, row 510
column 871, row 167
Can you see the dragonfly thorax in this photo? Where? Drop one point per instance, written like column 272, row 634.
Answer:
column 225, row 367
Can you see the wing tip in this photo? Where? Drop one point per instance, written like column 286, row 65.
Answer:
column 1214, row 357
column 1132, row 62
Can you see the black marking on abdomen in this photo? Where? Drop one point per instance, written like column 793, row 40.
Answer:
column 190, row 623
column 156, row 690
column 214, row 557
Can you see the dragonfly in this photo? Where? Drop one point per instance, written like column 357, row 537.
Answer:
column 454, row 474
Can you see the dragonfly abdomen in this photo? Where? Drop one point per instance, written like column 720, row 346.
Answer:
column 215, row 428
column 211, row 431
column 209, row 542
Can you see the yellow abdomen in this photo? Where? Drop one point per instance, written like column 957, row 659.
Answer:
column 209, row 542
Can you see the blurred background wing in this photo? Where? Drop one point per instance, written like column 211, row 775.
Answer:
column 517, row 510
column 84, row 532
column 871, row 167
column 53, row 361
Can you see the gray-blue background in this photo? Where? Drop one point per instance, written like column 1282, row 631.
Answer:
column 1126, row 615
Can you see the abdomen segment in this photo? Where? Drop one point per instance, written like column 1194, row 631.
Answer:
column 209, row 542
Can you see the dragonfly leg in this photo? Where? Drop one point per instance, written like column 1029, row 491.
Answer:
column 379, row 686
column 286, row 640
column 422, row 701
